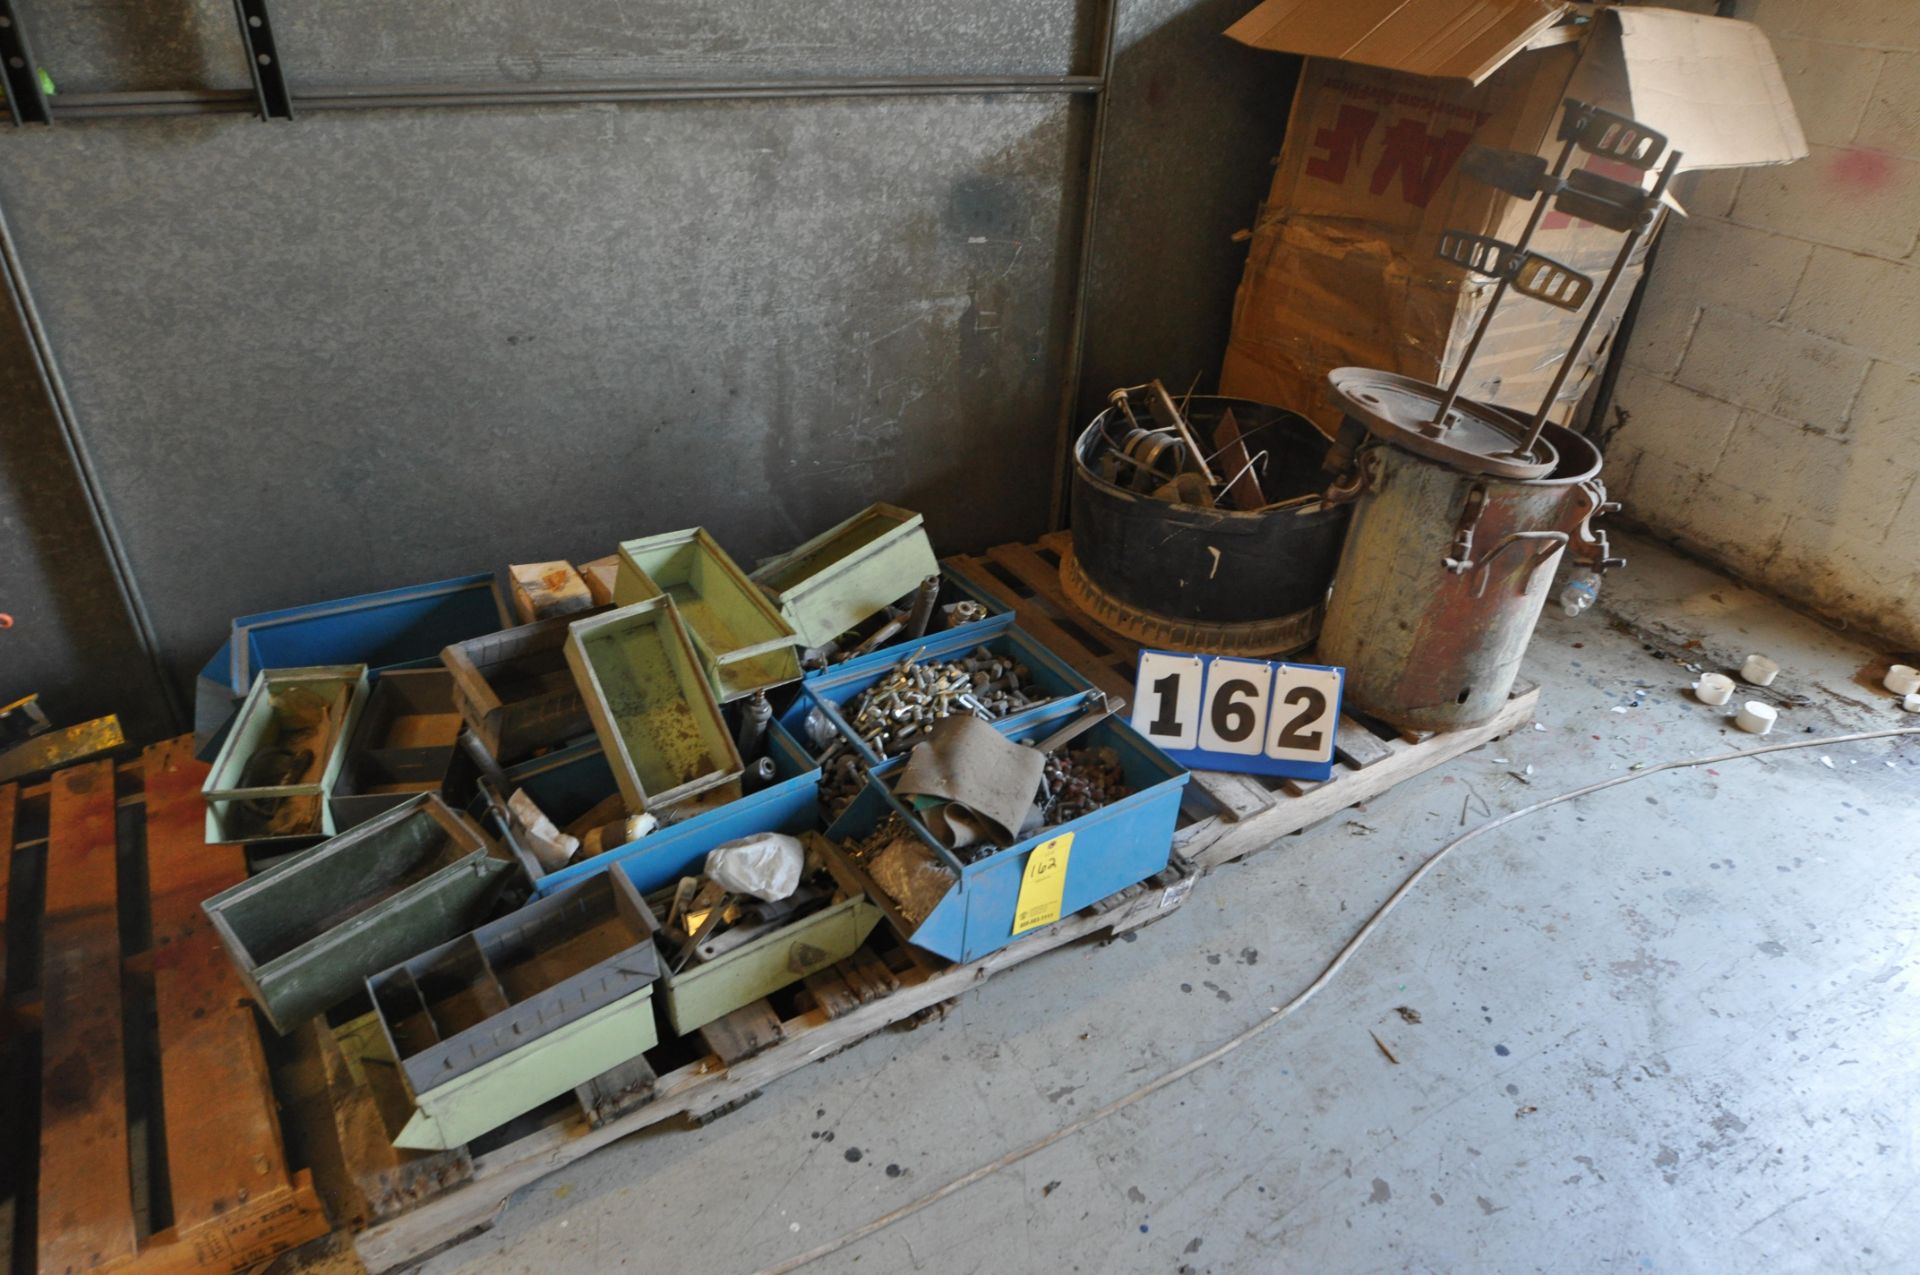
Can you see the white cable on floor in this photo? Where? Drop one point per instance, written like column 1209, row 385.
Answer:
column 1326, row 976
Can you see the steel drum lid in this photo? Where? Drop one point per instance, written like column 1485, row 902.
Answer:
column 1477, row 439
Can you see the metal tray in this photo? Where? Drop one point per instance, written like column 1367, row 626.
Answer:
column 305, row 933
column 744, row 644
column 496, row 1022
column 651, row 704
column 849, row 572
column 235, row 803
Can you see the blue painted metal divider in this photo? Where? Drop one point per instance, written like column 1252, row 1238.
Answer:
column 1118, row 845
column 389, row 629
column 789, row 804
column 394, row 628
column 833, row 688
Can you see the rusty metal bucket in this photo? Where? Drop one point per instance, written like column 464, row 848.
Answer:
column 1444, row 574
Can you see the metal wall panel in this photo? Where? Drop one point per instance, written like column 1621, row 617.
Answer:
column 171, row 44
column 363, row 351
column 1193, row 122
column 70, row 639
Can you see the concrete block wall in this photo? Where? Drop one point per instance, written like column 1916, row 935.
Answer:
column 1769, row 408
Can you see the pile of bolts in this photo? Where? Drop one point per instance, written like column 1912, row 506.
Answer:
column 1080, row 781
column 894, row 713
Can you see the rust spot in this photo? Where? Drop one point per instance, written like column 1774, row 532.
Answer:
column 1872, row 674
column 69, row 1083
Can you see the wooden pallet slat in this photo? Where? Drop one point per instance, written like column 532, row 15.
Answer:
column 85, row 1217
column 1357, row 746
column 1212, row 844
column 222, row 1139
column 231, row 1190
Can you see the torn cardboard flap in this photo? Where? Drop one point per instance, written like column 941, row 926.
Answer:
column 1712, row 85
column 1446, row 39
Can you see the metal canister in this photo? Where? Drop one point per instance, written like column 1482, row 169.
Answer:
column 1444, row 573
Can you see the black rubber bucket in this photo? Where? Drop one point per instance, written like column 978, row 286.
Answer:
column 1220, row 581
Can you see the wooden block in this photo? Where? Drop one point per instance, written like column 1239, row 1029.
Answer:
column 615, row 1092
column 85, row 1215
column 868, row 976
column 1238, row 796
column 262, row 1229
column 831, row 994
column 1357, row 746
column 743, row 1033
column 542, row 590
column 599, row 576
column 222, row 1127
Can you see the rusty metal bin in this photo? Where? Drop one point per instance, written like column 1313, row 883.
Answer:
column 1444, row 576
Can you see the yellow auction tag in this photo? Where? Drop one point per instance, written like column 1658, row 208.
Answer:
column 1043, row 884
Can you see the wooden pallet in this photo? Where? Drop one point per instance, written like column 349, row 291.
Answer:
column 135, row 1063
column 1225, row 816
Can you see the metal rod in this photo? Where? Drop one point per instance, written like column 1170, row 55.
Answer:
column 98, row 511
column 1587, row 324
column 272, row 96
column 1075, row 365
column 1499, row 291
column 364, row 97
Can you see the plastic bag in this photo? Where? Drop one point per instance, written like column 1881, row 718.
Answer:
column 766, row 865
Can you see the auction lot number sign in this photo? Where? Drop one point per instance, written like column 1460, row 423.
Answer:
column 1215, row 712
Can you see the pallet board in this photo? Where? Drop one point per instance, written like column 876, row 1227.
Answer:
column 183, row 1173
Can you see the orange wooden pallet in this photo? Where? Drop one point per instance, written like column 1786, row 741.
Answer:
column 138, row 1068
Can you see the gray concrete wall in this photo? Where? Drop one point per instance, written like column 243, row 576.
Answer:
column 369, row 349
column 1771, row 396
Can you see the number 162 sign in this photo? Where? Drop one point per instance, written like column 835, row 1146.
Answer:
column 1213, row 712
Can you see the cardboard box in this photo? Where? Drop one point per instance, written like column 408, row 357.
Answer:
column 1341, row 270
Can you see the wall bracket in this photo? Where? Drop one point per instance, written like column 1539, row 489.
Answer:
column 26, row 96
column 270, row 89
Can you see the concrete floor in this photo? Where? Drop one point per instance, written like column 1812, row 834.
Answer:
column 1665, row 1028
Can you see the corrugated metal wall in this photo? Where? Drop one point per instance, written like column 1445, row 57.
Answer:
column 370, row 348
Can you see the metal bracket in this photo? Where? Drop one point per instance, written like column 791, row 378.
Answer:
column 1529, row 273
column 26, row 98
column 1610, row 135
column 263, row 60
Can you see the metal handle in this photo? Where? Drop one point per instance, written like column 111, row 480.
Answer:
column 1556, row 541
